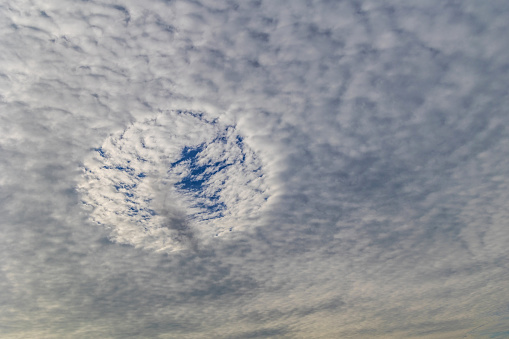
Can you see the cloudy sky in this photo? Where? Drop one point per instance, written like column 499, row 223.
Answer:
column 254, row 169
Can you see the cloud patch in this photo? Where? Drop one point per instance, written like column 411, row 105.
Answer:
column 160, row 181
column 356, row 150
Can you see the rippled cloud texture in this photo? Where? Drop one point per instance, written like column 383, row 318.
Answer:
column 254, row 169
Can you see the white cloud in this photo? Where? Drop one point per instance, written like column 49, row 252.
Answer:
column 177, row 172
column 379, row 128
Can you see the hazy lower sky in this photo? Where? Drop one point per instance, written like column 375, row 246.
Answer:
column 254, row 169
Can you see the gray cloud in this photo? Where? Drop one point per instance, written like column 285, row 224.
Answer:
column 378, row 129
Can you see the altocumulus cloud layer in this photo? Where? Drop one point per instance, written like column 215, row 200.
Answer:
column 254, row 169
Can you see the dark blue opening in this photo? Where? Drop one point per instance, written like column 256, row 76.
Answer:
column 199, row 174
column 100, row 151
column 195, row 180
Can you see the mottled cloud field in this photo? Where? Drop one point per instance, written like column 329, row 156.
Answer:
column 254, row 169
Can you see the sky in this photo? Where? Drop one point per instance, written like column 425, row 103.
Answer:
column 254, row 169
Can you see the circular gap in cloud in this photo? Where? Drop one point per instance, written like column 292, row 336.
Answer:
column 170, row 181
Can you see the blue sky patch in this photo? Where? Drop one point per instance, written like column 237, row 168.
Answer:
column 198, row 178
